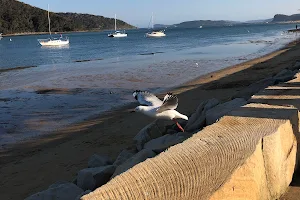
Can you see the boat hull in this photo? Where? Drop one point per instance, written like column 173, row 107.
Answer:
column 54, row 42
column 155, row 34
column 118, row 35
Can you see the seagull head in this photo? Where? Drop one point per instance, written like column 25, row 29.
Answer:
column 138, row 109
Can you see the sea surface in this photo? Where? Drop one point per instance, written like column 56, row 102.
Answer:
column 44, row 89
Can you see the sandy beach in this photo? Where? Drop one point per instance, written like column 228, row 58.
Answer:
column 30, row 167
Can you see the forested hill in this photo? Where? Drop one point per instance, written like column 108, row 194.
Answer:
column 18, row 17
column 286, row 18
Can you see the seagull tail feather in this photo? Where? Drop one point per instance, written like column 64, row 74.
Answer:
column 181, row 116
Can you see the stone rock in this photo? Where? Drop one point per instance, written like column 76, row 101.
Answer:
column 160, row 144
column 75, row 181
column 82, row 194
column 58, row 183
column 91, row 178
column 197, row 120
column 186, row 135
column 124, row 155
column 98, row 161
column 142, row 137
column 283, row 76
column 197, row 125
column 220, row 110
column 171, row 131
column 296, row 66
column 134, row 160
column 196, row 114
column 65, row 191
column 254, row 88
column 210, row 104
column 159, row 128
column 151, row 131
column 182, row 123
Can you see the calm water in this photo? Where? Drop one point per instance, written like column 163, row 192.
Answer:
column 60, row 91
column 25, row 50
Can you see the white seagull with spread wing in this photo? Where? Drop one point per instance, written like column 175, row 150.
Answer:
column 154, row 107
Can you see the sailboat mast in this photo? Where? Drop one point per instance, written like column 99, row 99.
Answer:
column 152, row 21
column 115, row 22
column 49, row 20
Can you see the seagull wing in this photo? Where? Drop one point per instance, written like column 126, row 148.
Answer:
column 147, row 98
column 170, row 103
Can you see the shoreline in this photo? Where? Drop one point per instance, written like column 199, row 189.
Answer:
column 44, row 33
column 60, row 90
column 64, row 153
column 102, row 30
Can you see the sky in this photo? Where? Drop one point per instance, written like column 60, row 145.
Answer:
column 138, row 12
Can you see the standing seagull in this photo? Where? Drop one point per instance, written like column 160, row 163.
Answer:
column 154, row 107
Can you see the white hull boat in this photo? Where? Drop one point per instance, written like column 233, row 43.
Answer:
column 160, row 33
column 53, row 41
column 117, row 34
column 156, row 34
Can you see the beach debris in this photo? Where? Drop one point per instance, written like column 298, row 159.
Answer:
column 15, row 68
column 66, row 191
column 92, row 178
column 222, row 109
column 87, row 60
column 154, row 107
column 150, row 53
column 134, row 160
column 98, row 161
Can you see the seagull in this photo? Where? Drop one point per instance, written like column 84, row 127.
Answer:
column 154, row 107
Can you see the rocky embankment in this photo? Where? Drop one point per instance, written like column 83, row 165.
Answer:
column 244, row 148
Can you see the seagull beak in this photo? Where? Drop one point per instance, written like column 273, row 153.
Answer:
column 132, row 111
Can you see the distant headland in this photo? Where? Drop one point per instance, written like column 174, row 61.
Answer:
column 17, row 17
column 278, row 18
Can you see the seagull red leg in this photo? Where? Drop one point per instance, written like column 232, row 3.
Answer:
column 178, row 125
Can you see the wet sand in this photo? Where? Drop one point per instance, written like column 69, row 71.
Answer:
column 32, row 166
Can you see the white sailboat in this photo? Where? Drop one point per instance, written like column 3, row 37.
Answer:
column 117, row 34
column 53, row 41
column 160, row 33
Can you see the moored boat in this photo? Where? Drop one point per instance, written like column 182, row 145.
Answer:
column 117, row 34
column 53, row 41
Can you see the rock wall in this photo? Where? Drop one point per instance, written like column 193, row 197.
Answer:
column 248, row 154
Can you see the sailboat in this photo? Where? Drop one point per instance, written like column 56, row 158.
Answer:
column 117, row 34
column 160, row 33
column 53, row 41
